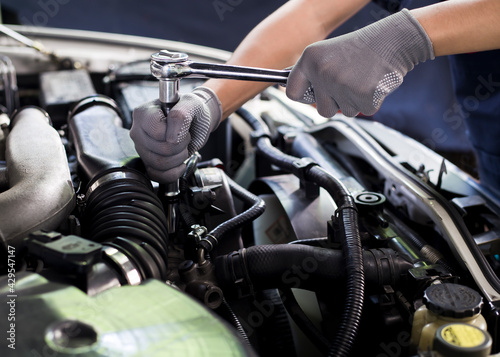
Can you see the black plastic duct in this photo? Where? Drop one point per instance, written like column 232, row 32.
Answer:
column 121, row 207
column 101, row 142
column 40, row 193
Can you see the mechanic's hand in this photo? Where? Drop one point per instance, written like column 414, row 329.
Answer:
column 164, row 143
column 356, row 71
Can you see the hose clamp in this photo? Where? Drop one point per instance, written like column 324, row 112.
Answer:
column 202, row 238
column 239, row 270
column 301, row 168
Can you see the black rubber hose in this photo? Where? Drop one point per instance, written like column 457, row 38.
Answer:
column 118, row 200
column 122, row 210
column 286, row 266
column 257, row 207
column 348, row 224
column 184, row 210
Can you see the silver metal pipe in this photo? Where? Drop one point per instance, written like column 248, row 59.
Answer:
column 40, row 193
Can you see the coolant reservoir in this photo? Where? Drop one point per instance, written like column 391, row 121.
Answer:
column 459, row 339
column 444, row 304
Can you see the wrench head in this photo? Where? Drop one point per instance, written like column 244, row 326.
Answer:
column 165, row 56
column 166, row 65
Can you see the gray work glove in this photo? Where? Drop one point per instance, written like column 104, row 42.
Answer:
column 356, row 71
column 164, row 143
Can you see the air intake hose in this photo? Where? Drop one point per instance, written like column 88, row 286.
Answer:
column 100, row 141
column 121, row 207
column 122, row 210
column 40, row 193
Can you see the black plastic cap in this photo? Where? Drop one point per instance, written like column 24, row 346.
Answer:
column 453, row 300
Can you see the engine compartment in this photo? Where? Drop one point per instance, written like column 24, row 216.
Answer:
column 292, row 234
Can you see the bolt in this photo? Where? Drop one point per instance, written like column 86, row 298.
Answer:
column 169, row 57
column 80, row 199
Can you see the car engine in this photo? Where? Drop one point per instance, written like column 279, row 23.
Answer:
column 290, row 234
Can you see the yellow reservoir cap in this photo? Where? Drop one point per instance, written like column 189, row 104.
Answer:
column 459, row 339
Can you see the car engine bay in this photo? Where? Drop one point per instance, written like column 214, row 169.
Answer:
column 290, row 235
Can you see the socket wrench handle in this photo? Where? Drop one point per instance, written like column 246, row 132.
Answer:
column 170, row 66
column 213, row 70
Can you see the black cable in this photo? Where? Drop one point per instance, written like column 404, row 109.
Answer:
column 228, row 314
column 184, row 208
column 353, row 259
column 348, row 224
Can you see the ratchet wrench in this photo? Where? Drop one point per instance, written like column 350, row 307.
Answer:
column 169, row 68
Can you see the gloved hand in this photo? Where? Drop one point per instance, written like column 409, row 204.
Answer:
column 164, row 143
column 356, row 71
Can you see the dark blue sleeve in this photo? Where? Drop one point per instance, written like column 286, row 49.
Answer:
column 389, row 5
column 476, row 86
column 393, row 6
column 476, row 80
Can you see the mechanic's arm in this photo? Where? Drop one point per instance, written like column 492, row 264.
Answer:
column 165, row 143
column 278, row 41
column 461, row 26
column 356, row 71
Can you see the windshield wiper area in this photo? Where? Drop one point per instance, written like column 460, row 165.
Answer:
column 63, row 63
